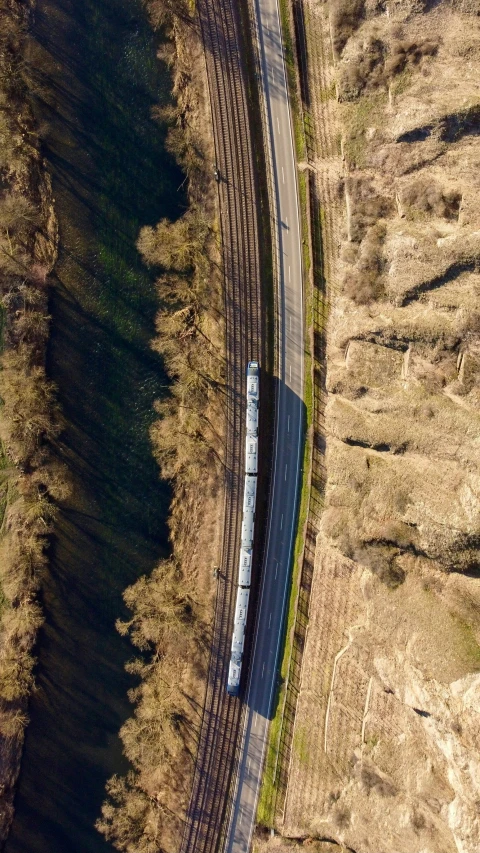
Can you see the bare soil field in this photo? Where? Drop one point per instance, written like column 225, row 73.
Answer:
column 385, row 750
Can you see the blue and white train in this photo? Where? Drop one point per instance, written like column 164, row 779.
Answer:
column 248, row 524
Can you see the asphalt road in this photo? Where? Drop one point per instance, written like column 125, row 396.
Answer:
column 289, row 434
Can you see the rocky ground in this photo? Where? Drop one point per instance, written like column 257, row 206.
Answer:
column 385, row 755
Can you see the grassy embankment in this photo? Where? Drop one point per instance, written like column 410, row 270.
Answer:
column 30, row 480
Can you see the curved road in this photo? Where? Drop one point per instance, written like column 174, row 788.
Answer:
column 289, row 431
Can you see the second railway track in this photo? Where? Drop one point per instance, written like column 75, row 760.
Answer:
column 243, row 322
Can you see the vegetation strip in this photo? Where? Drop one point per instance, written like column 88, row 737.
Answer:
column 170, row 621
column 30, row 480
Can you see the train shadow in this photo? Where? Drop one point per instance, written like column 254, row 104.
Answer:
column 278, row 498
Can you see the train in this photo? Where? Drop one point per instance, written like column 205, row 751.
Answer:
column 248, row 526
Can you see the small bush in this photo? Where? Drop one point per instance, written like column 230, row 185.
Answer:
column 364, row 283
column 349, row 252
column 346, row 16
column 418, row 821
column 342, row 817
column 366, row 69
column 380, row 559
column 367, row 206
column 408, row 53
column 429, row 197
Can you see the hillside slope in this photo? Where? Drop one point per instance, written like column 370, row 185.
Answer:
column 385, row 751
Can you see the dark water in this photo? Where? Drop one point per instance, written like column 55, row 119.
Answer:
column 97, row 78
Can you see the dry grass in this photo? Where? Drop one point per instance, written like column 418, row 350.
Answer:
column 368, row 759
column 410, row 351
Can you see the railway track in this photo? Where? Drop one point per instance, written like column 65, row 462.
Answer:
column 220, row 30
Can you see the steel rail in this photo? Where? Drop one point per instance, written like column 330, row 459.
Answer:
column 243, row 329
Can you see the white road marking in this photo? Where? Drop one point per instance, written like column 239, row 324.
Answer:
column 289, row 276
column 278, row 125
column 241, row 814
column 288, row 424
column 286, row 466
column 286, row 220
column 290, row 373
column 276, row 570
column 283, row 175
column 281, row 522
column 263, row 668
column 248, row 766
column 255, row 720
column 270, row 617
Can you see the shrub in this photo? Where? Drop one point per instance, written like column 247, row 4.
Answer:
column 367, row 206
column 362, row 287
column 404, row 53
column 163, row 12
column 428, row 196
column 366, row 69
column 364, row 284
column 346, row 16
column 173, row 245
column 380, row 559
column 130, row 818
column 373, row 66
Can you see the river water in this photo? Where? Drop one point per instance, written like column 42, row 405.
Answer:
column 97, row 78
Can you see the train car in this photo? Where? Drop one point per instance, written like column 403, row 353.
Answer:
column 238, row 641
column 245, row 567
column 252, row 417
column 253, row 381
column 253, row 398
column 251, row 454
column 249, row 501
column 234, row 673
column 248, row 525
column 250, row 492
